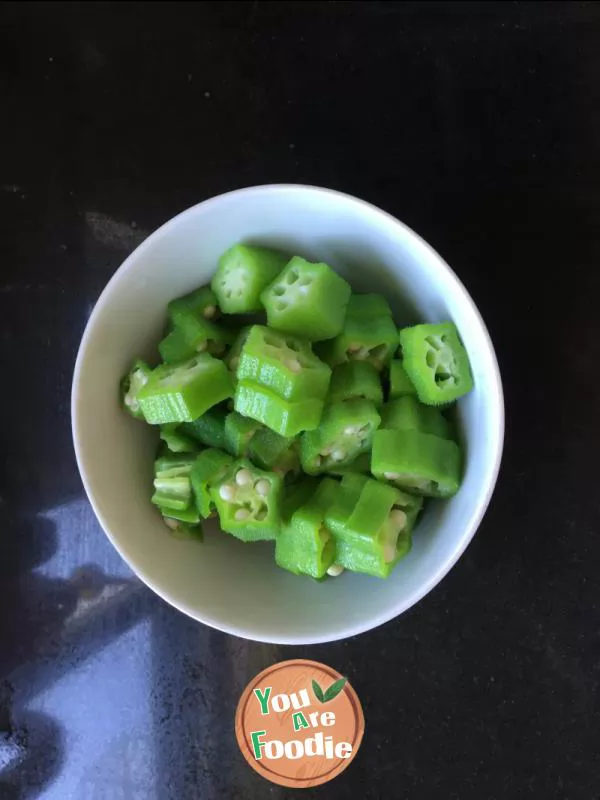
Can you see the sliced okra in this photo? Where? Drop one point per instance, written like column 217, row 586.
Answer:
column 248, row 501
column 308, row 300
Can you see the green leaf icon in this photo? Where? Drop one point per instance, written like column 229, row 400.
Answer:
column 318, row 691
column 334, row 689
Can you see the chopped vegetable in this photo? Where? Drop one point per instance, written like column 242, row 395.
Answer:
column 355, row 379
column 307, row 300
column 416, row 461
column 305, row 545
column 346, row 431
column 363, row 338
column 183, row 392
column 248, row 502
column 208, row 468
column 400, row 384
column 131, row 386
column 242, row 274
column 176, row 441
column 209, row 429
column 406, row 414
column 436, row 362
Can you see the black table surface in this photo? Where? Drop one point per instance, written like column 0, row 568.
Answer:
column 476, row 124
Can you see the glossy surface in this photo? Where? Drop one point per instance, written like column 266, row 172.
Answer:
column 476, row 125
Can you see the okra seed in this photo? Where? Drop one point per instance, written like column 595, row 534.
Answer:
column 335, row 570
column 227, row 492
column 391, row 476
column 398, row 518
column 262, row 487
column 354, row 348
column 243, row 477
column 338, row 455
column 209, row 312
column 242, row 513
column 389, row 551
column 171, row 523
column 294, row 365
column 363, row 353
column 326, row 451
column 350, row 430
column 202, row 347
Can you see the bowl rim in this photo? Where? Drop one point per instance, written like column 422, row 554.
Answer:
column 494, row 383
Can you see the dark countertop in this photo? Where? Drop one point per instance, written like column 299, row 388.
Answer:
column 476, row 124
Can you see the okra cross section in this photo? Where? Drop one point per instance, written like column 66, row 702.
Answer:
column 346, row 431
column 418, row 462
column 284, row 364
column 242, row 274
column 436, row 362
column 182, row 392
column 308, row 300
column 248, row 501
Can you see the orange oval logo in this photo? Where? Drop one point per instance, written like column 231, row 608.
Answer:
column 299, row 723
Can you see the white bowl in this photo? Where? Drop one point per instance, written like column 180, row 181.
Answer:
column 231, row 586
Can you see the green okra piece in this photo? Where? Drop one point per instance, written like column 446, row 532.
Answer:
column 176, row 440
column 239, row 432
column 182, row 529
column 232, row 359
column 242, row 274
column 132, row 384
column 361, row 465
column 373, row 340
column 400, row 384
column 305, row 545
column 271, row 451
column 376, row 534
column 248, row 501
column 191, row 335
column 172, row 487
column 436, row 362
column 285, row 417
column 283, row 364
column 418, row 462
column 209, row 467
column 307, row 300
column 355, row 379
column 406, row 413
column 298, row 494
column 346, row 431
column 368, row 306
column 201, row 303
column 344, row 502
column 183, row 392
column 209, row 429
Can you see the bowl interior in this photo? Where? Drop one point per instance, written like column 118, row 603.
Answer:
column 225, row 583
